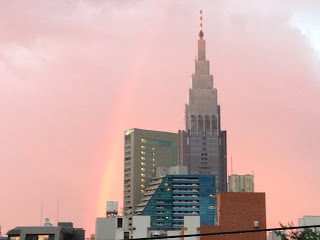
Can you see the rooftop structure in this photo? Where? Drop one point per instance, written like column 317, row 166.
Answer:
column 241, row 183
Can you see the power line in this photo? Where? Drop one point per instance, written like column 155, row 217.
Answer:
column 229, row 232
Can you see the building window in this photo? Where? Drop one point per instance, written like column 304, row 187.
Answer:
column 143, row 169
column 143, row 147
column 143, row 152
column 127, row 139
column 15, row 238
column 143, row 158
column 119, row 222
column 143, row 164
column 143, row 140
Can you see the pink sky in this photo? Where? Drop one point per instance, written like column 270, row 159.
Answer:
column 75, row 74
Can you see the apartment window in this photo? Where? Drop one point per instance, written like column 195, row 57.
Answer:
column 142, row 185
column 127, row 139
column 143, row 158
column 143, row 164
column 127, row 148
column 143, row 140
column 143, row 169
column 143, row 147
column 143, row 152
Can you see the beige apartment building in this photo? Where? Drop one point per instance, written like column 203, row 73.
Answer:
column 144, row 151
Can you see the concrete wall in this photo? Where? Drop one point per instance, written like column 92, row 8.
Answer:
column 273, row 236
column 107, row 229
column 140, row 226
column 191, row 226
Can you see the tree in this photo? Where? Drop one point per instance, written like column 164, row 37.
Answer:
column 305, row 234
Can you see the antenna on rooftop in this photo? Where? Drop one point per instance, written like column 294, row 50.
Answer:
column 231, row 166
column 58, row 206
column 41, row 207
column 201, row 32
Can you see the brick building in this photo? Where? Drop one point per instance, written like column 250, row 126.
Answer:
column 238, row 211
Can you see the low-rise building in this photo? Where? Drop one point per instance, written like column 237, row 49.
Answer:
column 309, row 220
column 64, row 231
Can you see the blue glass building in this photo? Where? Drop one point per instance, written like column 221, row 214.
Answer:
column 168, row 199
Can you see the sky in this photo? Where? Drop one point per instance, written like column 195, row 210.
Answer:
column 75, row 74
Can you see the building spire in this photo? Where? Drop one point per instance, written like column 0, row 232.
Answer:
column 201, row 42
column 201, row 32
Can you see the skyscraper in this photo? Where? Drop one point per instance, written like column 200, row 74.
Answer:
column 206, row 143
column 144, row 151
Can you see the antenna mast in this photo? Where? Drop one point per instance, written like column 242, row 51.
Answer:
column 201, row 32
column 231, row 166
column 41, row 213
column 58, row 206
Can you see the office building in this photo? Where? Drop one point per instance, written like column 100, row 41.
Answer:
column 144, row 151
column 206, row 142
column 169, row 198
column 241, row 183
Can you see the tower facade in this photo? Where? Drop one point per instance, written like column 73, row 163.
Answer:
column 206, row 142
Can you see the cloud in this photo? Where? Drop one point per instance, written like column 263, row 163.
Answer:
column 70, row 69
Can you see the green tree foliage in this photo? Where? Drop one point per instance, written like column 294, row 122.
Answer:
column 304, row 234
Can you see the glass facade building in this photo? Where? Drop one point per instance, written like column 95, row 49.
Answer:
column 168, row 199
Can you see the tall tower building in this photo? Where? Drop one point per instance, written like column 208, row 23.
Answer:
column 144, row 151
column 206, row 143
